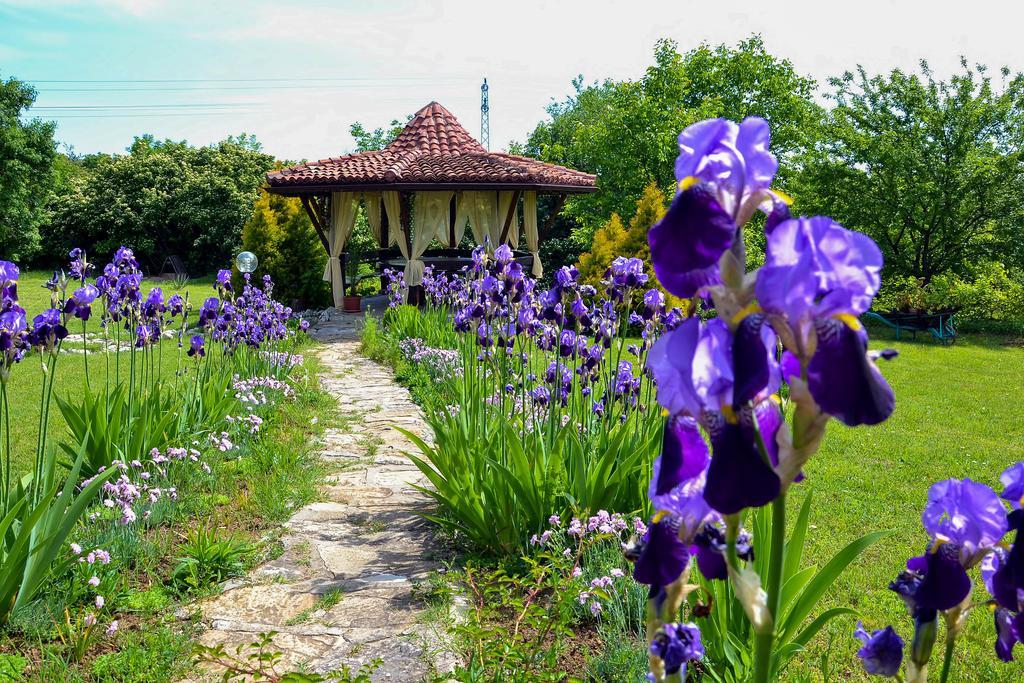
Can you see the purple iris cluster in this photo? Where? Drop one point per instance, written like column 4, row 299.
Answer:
column 727, row 446
column 968, row 526
column 558, row 353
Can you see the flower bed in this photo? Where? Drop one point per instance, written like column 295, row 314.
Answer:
column 103, row 534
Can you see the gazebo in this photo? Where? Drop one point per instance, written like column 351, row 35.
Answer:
column 431, row 182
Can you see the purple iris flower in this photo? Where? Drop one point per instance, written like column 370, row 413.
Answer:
column 933, row 582
column 79, row 267
column 675, row 645
column 817, row 278
column 1012, row 480
column 303, row 324
column 80, row 303
column 125, row 257
column 967, row 515
column 47, row 330
column 882, row 652
column 208, row 312
column 724, row 171
column 503, row 254
column 175, row 305
column 709, row 546
column 723, row 381
column 154, row 304
column 13, row 342
column 224, row 279
column 9, row 274
column 196, row 346
column 567, row 343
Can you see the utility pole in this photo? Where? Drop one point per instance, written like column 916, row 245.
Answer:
column 485, row 116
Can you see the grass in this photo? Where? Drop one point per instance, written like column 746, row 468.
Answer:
column 26, row 379
column 959, row 415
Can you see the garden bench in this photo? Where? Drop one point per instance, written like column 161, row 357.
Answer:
column 942, row 326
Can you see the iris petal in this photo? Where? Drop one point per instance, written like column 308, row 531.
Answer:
column 945, row 583
column 844, row 381
column 687, row 243
column 738, row 477
column 663, row 557
column 684, row 455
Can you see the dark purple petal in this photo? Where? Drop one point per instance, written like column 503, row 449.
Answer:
column 945, row 583
column 753, row 357
column 663, row 557
column 844, row 381
column 738, row 477
column 687, row 243
column 1006, row 634
column 778, row 214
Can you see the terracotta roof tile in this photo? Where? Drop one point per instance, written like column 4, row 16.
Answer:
column 432, row 148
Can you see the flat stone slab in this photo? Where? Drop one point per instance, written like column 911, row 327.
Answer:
column 365, row 545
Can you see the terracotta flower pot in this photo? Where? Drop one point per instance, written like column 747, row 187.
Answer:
column 352, row 304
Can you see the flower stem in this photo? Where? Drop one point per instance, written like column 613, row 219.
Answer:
column 947, row 660
column 764, row 641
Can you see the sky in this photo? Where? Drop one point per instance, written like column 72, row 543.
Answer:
column 297, row 74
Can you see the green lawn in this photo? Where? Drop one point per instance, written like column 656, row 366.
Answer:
column 958, row 414
column 25, row 384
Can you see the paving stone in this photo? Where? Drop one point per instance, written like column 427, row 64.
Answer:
column 365, row 540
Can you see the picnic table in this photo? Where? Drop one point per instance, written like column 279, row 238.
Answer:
column 942, row 326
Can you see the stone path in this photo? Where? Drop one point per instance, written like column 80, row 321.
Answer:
column 363, row 543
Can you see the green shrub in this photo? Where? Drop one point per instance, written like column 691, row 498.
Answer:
column 208, row 558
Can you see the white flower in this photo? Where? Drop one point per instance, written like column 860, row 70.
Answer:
column 76, row 549
column 100, row 602
column 94, row 581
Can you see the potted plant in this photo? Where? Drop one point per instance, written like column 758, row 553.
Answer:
column 352, row 301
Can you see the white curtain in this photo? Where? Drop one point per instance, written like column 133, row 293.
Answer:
column 530, row 230
column 371, row 204
column 343, row 217
column 481, row 209
column 461, row 218
column 393, row 206
column 430, row 214
column 504, row 201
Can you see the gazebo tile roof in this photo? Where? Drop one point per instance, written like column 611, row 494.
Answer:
column 432, row 148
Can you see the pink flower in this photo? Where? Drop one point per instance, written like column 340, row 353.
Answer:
column 576, row 572
column 617, row 573
column 76, row 549
column 112, row 628
column 553, row 520
column 94, row 581
column 595, row 608
column 100, row 602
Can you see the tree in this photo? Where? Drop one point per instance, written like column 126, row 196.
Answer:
column 932, row 170
column 626, row 131
column 379, row 138
column 280, row 234
column 165, row 198
column 27, row 152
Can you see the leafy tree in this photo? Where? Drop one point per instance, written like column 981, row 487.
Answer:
column 164, row 198
column 626, row 131
column 280, row 234
column 27, row 152
column 615, row 239
column 932, row 170
column 379, row 138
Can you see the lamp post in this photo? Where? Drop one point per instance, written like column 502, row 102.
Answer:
column 246, row 262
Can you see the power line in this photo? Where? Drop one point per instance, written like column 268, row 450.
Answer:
column 252, row 80
column 149, row 106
